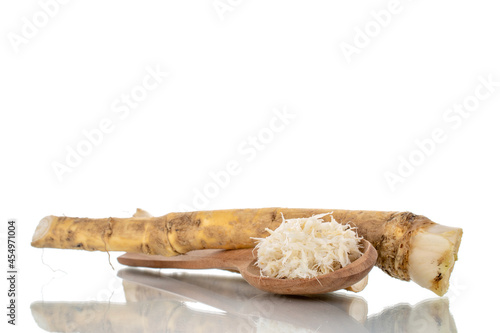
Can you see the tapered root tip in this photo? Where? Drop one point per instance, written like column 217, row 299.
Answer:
column 41, row 230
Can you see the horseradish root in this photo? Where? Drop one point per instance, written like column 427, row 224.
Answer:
column 409, row 246
column 307, row 247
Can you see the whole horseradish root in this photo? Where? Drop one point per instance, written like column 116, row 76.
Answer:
column 410, row 247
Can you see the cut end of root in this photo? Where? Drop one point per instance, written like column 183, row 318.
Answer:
column 42, row 229
column 432, row 257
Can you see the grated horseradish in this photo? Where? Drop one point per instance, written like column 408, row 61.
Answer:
column 306, row 248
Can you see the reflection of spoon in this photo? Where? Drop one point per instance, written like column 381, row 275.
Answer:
column 244, row 261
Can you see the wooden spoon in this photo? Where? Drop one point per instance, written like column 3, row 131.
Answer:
column 243, row 260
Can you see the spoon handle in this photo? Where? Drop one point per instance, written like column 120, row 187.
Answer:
column 200, row 259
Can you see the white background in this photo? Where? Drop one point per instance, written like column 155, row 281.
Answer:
column 353, row 119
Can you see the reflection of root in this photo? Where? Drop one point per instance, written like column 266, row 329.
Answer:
column 96, row 317
column 152, row 316
column 267, row 325
column 428, row 316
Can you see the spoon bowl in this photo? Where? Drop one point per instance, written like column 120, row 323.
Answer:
column 243, row 260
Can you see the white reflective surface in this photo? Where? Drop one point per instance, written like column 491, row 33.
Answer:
column 199, row 301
